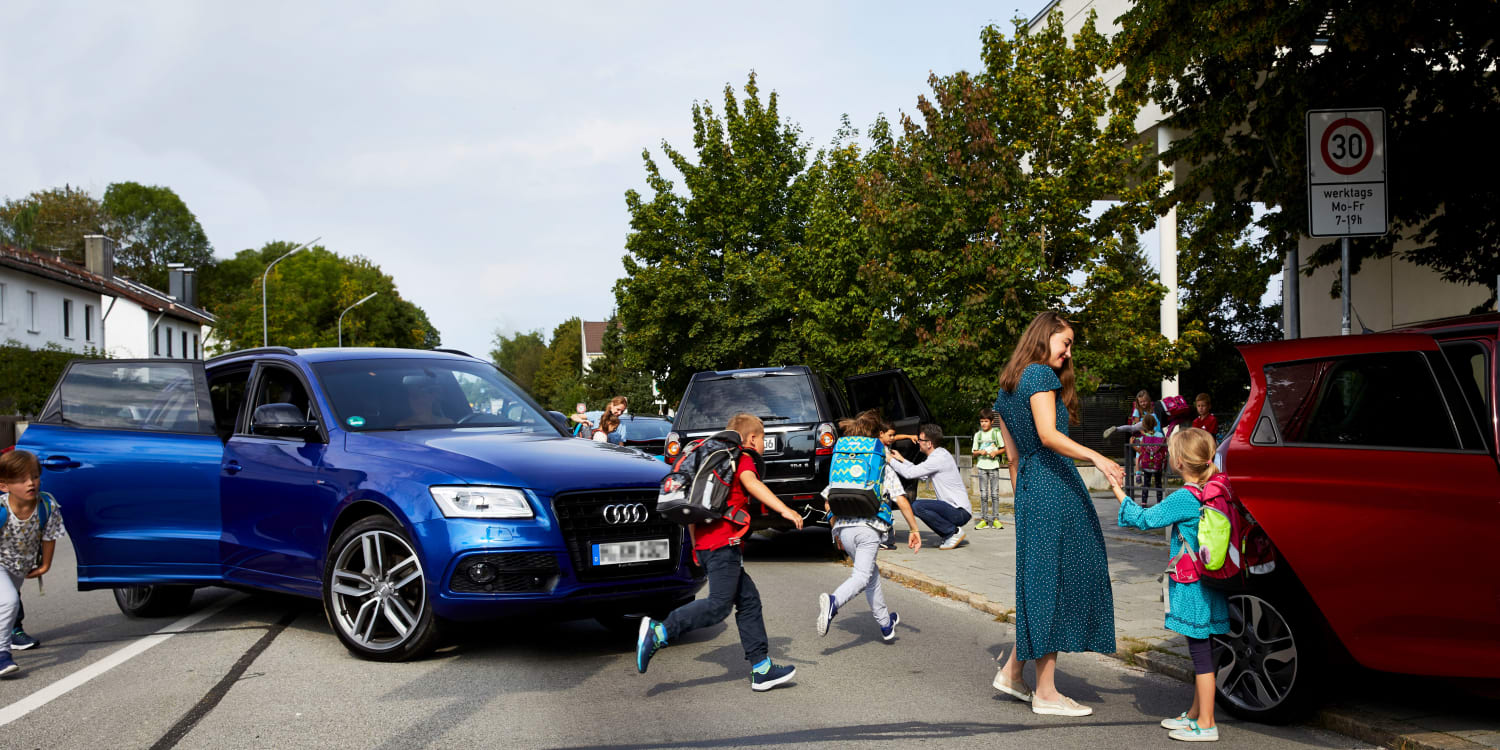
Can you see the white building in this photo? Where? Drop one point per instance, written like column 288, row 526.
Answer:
column 45, row 300
column 1386, row 293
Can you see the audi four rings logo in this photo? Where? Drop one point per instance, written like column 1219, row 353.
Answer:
column 625, row 513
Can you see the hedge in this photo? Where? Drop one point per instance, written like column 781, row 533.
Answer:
column 27, row 376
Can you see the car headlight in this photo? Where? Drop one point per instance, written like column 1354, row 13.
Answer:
column 463, row 501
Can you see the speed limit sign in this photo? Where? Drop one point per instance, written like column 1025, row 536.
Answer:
column 1346, row 179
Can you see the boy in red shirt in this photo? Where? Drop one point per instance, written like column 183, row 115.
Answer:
column 1206, row 421
column 717, row 546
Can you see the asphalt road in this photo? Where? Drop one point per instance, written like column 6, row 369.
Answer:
column 266, row 672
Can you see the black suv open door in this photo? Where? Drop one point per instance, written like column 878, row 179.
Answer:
column 892, row 393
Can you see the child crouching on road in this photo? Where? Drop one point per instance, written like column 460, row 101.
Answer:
column 861, row 537
column 1193, row 609
column 30, row 523
column 717, row 546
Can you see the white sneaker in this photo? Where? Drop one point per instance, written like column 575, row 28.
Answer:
column 1064, row 707
column 1192, row 733
column 1108, row 431
column 953, row 541
column 1181, row 721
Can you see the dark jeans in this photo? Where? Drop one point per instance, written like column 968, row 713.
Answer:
column 940, row 516
column 1150, row 479
column 728, row 586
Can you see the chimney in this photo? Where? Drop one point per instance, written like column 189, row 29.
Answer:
column 99, row 255
column 174, row 281
column 190, row 287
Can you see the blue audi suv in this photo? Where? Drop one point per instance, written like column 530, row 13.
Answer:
column 403, row 488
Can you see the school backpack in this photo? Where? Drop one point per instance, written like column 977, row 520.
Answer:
column 1231, row 544
column 1153, row 453
column 697, row 490
column 1175, row 407
column 855, row 478
column 46, row 505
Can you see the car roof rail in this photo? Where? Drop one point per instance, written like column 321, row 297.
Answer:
column 256, row 350
column 455, row 351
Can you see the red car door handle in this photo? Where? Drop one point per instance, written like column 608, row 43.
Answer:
column 58, row 463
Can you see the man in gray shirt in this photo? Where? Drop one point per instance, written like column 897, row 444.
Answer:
column 951, row 510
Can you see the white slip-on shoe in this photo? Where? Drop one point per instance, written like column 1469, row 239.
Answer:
column 1181, row 721
column 1019, row 692
column 1064, row 707
column 1193, row 733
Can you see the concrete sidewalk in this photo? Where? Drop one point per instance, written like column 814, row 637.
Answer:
column 982, row 573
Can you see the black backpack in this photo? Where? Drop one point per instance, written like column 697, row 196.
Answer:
column 697, row 490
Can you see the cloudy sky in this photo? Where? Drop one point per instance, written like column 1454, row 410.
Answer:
column 478, row 152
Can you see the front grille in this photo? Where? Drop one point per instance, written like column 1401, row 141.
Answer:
column 580, row 516
column 518, row 573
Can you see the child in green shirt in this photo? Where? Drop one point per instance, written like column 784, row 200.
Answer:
column 988, row 445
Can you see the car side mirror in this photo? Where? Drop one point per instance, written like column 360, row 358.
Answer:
column 560, row 419
column 283, row 420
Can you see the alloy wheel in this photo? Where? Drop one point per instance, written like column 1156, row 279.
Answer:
column 1256, row 661
column 378, row 593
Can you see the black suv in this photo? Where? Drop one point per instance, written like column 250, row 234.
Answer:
column 801, row 409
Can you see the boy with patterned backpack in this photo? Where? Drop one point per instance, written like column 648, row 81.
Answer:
column 30, row 523
column 861, row 488
column 987, row 446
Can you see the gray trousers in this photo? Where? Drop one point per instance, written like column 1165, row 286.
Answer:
column 862, row 543
column 10, row 604
column 989, row 494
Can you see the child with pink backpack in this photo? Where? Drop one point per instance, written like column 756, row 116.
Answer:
column 1194, row 610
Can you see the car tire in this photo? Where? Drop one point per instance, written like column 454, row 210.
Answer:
column 153, row 601
column 1269, row 666
column 375, row 593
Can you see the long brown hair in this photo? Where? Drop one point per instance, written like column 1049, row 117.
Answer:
column 1035, row 347
column 609, row 422
column 867, row 423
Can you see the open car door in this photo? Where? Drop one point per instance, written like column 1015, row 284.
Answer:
column 128, row 449
column 892, row 393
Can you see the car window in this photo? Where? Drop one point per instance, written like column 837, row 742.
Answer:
column 279, row 385
column 419, row 394
column 889, row 392
column 1470, row 363
column 646, row 429
column 776, row 399
column 1376, row 400
column 226, row 390
column 145, row 396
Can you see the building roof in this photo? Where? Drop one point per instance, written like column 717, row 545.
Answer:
column 593, row 337
column 56, row 269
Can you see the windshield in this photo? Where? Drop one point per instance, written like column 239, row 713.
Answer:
column 427, row 394
column 646, row 429
column 776, row 399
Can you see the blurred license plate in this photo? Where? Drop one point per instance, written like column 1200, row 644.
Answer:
column 620, row 553
column 770, row 443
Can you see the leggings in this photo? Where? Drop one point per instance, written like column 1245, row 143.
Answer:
column 1203, row 655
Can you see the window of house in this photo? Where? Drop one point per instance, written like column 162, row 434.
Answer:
column 88, row 322
column 1354, row 401
column 184, row 345
column 156, row 342
column 67, row 318
column 31, row 312
column 169, row 342
column 2, row 303
column 195, row 346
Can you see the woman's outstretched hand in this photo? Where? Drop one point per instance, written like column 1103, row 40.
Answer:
column 1112, row 471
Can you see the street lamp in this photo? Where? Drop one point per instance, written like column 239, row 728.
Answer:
column 265, row 331
column 346, row 312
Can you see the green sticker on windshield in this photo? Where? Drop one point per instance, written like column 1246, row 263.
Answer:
column 356, row 421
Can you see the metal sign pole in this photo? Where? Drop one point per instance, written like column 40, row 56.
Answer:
column 1344, row 286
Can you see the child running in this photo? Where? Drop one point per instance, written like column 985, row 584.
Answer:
column 988, row 444
column 1193, row 609
column 30, row 523
column 717, row 546
column 861, row 538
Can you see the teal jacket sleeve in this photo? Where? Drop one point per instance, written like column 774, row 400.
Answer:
column 1178, row 506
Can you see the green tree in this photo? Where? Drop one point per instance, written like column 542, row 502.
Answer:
column 705, row 284
column 1223, row 277
column 1238, row 86
column 520, row 354
column 153, row 228
column 980, row 212
column 559, row 378
column 305, row 295
column 611, row 375
column 53, row 221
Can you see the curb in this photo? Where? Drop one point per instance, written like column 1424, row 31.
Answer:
column 1352, row 722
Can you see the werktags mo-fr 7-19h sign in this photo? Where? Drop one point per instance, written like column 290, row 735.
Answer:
column 1346, row 178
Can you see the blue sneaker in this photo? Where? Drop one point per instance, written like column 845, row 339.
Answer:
column 826, row 610
column 774, row 675
column 652, row 638
column 8, row 665
column 19, row 641
column 888, row 633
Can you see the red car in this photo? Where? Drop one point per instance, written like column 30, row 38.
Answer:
column 1370, row 461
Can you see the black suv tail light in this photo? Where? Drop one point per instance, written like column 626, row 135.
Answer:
column 674, row 446
column 826, row 439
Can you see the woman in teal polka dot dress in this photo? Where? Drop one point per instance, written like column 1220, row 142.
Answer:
column 1063, row 599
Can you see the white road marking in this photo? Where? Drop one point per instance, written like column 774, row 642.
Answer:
column 60, row 688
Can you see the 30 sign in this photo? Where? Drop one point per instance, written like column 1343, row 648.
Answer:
column 1346, row 180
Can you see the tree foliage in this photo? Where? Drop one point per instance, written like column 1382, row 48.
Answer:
column 520, row 354
column 559, row 377
column 705, row 284
column 153, row 228
column 53, row 221
column 611, row 375
column 304, row 296
column 1239, row 85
